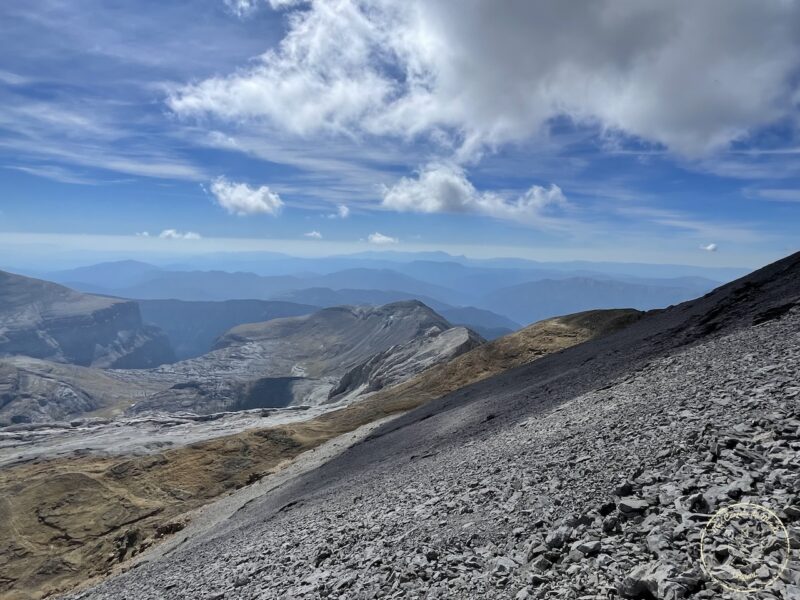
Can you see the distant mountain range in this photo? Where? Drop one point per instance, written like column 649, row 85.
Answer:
column 516, row 290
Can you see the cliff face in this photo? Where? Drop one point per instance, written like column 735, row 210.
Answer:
column 299, row 360
column 44, row 320
column 400, row 363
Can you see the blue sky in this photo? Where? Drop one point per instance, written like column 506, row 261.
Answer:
column 652, row 132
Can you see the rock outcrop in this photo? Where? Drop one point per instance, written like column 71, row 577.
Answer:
column 35, row 391
column 45, row 320
column 402, row 362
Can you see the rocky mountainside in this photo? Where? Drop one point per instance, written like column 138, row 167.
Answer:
column 299, row 360
column 278, row 363
column 45, row 320
column 589, row 473
column 401, row 362
column 171, row 464
column 34, row 390
column 508, row 352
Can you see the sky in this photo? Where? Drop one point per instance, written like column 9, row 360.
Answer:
column 624, row 130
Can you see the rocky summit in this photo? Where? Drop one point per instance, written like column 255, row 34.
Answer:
column 593, row 472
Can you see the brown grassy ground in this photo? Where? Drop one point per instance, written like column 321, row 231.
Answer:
column 65, row 521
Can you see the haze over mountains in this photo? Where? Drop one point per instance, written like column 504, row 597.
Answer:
column 517, row 290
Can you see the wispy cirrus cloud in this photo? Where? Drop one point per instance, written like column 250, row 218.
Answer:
column 57, row 173
column 775, row 194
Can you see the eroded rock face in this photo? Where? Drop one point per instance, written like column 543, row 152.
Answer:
column 45, row 320
column 36, row 391
column 400, row 363
column 300, row 360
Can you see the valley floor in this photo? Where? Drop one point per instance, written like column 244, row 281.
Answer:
column 605, row 493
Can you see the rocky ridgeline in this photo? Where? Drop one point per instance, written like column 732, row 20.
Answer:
column 605, row 496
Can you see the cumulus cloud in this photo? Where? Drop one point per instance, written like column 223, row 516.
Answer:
column 381, row 240
column 315, row 235
column 142, row 234
column 174, row 234
column 692, row 76
column 445, row 188
column 709, row 247
column 241, row 199
column 342, row 212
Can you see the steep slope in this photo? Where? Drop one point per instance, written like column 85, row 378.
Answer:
column 171, row 481
column 589, row 471
column 536, row 300
column 503, row 354
column 45, row 320
column 295, row 360
column 401, row 362
column 193, row 327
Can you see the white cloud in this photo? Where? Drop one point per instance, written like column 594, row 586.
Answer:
column 142, row 234
column 709, row 247
column 241, row 199
column 174, row 234
column 242, row 8
column 10, row 78
column 316, row 235
column 57, row 173
column 342, row 212
column 444, row 188
column 692, row 76
column 777, row 194
column 381, row 240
